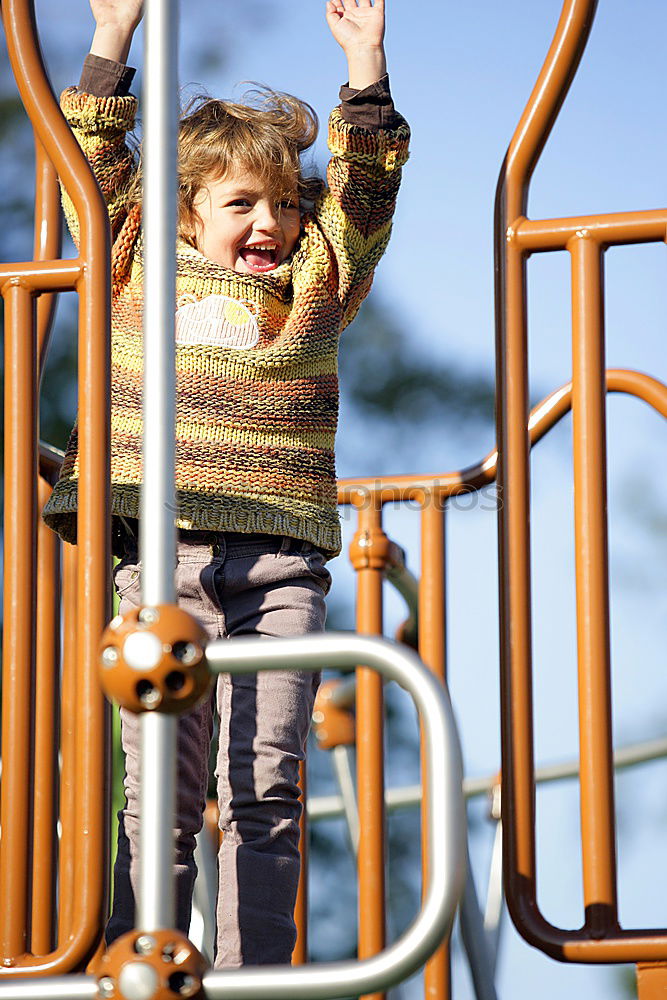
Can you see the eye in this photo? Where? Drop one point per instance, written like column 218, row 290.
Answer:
column 239, row 203
column 287, row 203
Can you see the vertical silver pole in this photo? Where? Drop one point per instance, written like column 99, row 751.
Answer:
column 157, row 535
column 157, row 542
column 155, row 906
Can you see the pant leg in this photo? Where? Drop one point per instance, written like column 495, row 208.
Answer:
column 264, row 722
column 193, row 575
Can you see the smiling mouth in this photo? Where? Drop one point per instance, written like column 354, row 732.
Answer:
column 261, row 257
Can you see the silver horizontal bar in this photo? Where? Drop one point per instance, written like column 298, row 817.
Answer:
column 445, row 831
column 445, row 827
column 407, row 796
column 53, row 988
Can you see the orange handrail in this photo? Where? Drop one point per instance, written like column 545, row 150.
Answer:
column 601, row 938
column 27, row 945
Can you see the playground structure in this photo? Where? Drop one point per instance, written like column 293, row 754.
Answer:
column 52, row 902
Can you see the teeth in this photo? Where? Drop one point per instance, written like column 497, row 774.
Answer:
column 261, row 246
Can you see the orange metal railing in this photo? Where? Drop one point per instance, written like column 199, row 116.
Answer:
column 601, row 938
column 33, row 939
column 36, row 937
column 432, row 493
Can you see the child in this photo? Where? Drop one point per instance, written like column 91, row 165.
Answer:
column 271, row 266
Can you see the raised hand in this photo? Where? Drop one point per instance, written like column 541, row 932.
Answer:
column 116, row 22
column 117, row 12
column 356, row 24
column 358, row 27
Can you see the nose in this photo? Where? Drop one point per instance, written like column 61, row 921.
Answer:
column 267, row 218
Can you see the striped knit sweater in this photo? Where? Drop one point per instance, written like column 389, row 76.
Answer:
column 256, row 355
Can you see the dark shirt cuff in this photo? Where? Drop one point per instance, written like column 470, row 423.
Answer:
column 371, row 108
column 105, row 77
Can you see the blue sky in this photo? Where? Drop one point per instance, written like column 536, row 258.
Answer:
column 461, row 74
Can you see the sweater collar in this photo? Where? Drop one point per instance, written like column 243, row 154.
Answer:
column 191, row 262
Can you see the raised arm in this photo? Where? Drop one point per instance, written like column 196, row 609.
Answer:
column 368, row 141
column 115, row 24
column 100, row 112
column 359, row 30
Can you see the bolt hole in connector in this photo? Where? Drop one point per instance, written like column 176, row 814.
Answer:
column 183, row 984
column 148, row 694
column 186, row 652
column 175, row 680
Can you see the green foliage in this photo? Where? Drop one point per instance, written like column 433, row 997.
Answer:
column 11, row 115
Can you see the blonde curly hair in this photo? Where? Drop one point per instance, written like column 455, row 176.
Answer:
column 265, row 136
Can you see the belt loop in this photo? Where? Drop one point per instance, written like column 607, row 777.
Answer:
column 285, row 544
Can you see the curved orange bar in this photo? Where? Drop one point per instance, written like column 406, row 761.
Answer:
column 586, row 238
column 544, row 416
column 90, row 275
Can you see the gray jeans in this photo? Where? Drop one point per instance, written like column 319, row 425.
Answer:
column 235, row 585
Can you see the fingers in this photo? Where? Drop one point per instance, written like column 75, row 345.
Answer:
column 340, row 6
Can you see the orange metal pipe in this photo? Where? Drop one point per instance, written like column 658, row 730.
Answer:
column 369, row 553
column 512, row 416
column 651, row 981
column 599, row 940
column 515, row 602
column 432, row 650
column 67, row 747
column 546, row 100
column 543, row 416
column 300, row 954
column 93, row 595
column 48, row 276
column 592, row 587
column 46, row 715
column 18, row 653
column 48, row 238
column 615, row 229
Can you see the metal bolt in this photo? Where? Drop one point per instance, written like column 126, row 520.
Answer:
column 145, row 943
column 138, row 981
column 106, row 986
column 110, row 656
column 149, row 616
column 150, row 696
column 142, row 650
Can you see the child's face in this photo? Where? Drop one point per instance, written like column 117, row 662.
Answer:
column 242, row 227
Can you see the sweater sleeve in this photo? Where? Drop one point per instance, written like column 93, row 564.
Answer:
column 372, row 107
column 100, row 125
column 356, row 209
column 105, row 77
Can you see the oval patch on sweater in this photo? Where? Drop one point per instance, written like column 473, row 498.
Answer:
column 216, row 320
